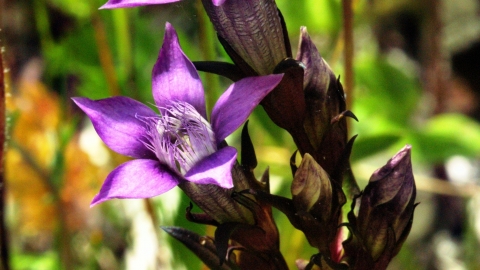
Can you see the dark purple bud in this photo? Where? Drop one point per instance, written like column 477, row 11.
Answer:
column 386, row 211
column 325, row 103
column 252, row 31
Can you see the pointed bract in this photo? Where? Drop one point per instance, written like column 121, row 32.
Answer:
column 202, row 246
column 317, row 72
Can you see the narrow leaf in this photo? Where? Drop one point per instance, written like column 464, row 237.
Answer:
column 202, row 246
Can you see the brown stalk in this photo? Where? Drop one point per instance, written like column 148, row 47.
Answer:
column 348, row 54
column 105, row 55
column 4, row 262
column 436, row 75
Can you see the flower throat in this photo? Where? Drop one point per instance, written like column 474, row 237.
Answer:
column 180, row 137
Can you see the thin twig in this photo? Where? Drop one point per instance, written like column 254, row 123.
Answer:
column 30, row 160
column 348, row 52
column 206, row 36
column 4, row 262
column 435, row 71
column 105, row 54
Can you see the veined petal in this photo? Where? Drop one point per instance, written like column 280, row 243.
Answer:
column 136, row 179
column 174, row 76
column 238, row 102
column 215, row 169
column 133, row 3
column 116, row 123
column 218, row 2
column 253, row 29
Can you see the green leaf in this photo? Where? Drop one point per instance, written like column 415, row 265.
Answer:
column 447, row 135
column 384, row 91
column 368, row 145
column 319, row 16
column 46, row 260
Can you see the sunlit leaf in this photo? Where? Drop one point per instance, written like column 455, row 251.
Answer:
column 79, row 9
column 385, row 91
column 368, row 145
column 447, row 135
column 320, row 16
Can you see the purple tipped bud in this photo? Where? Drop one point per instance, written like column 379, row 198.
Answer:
column 325, row 101
column 386, row 211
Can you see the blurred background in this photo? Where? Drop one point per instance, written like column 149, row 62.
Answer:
column 417, row 81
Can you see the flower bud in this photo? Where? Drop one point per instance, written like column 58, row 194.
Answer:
column 386, row 212
column 311, row 187
column 325, row 102
column 252, row 32
column 317, row 205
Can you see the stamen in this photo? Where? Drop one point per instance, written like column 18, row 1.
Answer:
column 180, row 137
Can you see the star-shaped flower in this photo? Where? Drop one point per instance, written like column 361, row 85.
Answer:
column 178, row 144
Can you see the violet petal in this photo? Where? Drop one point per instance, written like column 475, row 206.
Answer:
column 238, row 102
column 115, row 120
column 136, row 179
column 214, row 169
column 133, row 3
column 218, row 2
column 174, row 77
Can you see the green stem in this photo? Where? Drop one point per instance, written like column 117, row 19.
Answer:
column 43, row 25
column 123, row 46
column 44, row 175
column 105, row 54
column 206, row 36
column 434, row 66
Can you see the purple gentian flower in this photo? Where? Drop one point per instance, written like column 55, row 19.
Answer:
column 136, row 3
column 178, row 144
